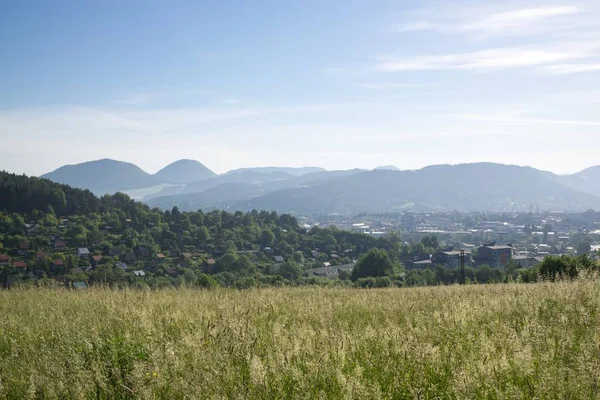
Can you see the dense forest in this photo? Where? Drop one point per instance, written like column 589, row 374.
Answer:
column 52, row 234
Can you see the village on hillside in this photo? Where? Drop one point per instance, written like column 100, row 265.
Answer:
column 67, row 253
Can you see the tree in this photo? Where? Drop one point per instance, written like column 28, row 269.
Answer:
column 431, row 241
column 267, row 237
column 203, row 234
column 206, row 281
column 299, row 257
column 584, row 247
column 375, row 263
column 556, row 266
column 290, row 270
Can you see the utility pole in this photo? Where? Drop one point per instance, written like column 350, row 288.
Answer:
column 462, row 267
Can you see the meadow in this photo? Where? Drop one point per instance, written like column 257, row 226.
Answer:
column 479, row 341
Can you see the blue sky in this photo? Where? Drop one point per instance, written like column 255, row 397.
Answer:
column 338, row 84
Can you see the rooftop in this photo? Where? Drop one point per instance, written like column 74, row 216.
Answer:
column 499, row 247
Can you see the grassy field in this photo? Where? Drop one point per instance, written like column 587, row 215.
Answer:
column 498, row 341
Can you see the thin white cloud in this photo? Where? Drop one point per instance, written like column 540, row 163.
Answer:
column 145, row 98
column 391, row 86
column 496, row 58
column 495, row 23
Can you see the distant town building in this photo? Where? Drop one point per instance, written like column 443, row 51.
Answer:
column 494, row 255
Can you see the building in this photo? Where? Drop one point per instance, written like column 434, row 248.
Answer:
column 41, row 255
column 420, row 264
column 83, row 252
column 96, row 260
column 330, row 272
column 494, row 255
column 450, row 258
column 79, row 285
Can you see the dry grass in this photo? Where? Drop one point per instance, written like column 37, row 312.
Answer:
column 502, row 341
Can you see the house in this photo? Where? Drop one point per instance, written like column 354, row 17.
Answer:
column 31, row 228
column 41, row 255
column 139, row 273
column 24, row 245
column 58, row 262
column 121, row 265
column 268, row 251
column 79, row 285
column 60, row 245
column 327, row 264
column 171, row 271
column 450, row 258
column 494, row 255
column 527, row 261
column 130, row 257
column 20, row 264
column 330, row 272
column 83, row 252
column 161, row 257
column 96, row 259
column 278, row 259
column 114, row 251
column 4, row 259
column 420, row 264
column 143, row 252
column 40, row 274
column 151, row 265
column 186, row 256
column 315, row 253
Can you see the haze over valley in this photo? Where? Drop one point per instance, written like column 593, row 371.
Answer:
column 190, row 185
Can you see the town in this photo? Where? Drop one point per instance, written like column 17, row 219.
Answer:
column 179, row 248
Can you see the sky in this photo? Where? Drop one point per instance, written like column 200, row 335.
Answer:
column 337, row 84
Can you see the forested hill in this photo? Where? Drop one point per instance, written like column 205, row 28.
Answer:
column 22, row 194
column 57, row 235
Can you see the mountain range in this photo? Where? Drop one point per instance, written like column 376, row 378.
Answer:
column 188, row 184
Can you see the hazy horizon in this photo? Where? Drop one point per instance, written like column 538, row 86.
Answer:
column 337, row 85
column 153, row 171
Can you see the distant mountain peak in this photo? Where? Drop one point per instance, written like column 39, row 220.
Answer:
column 387, row 168
column 102, row 176
column 184, row 171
